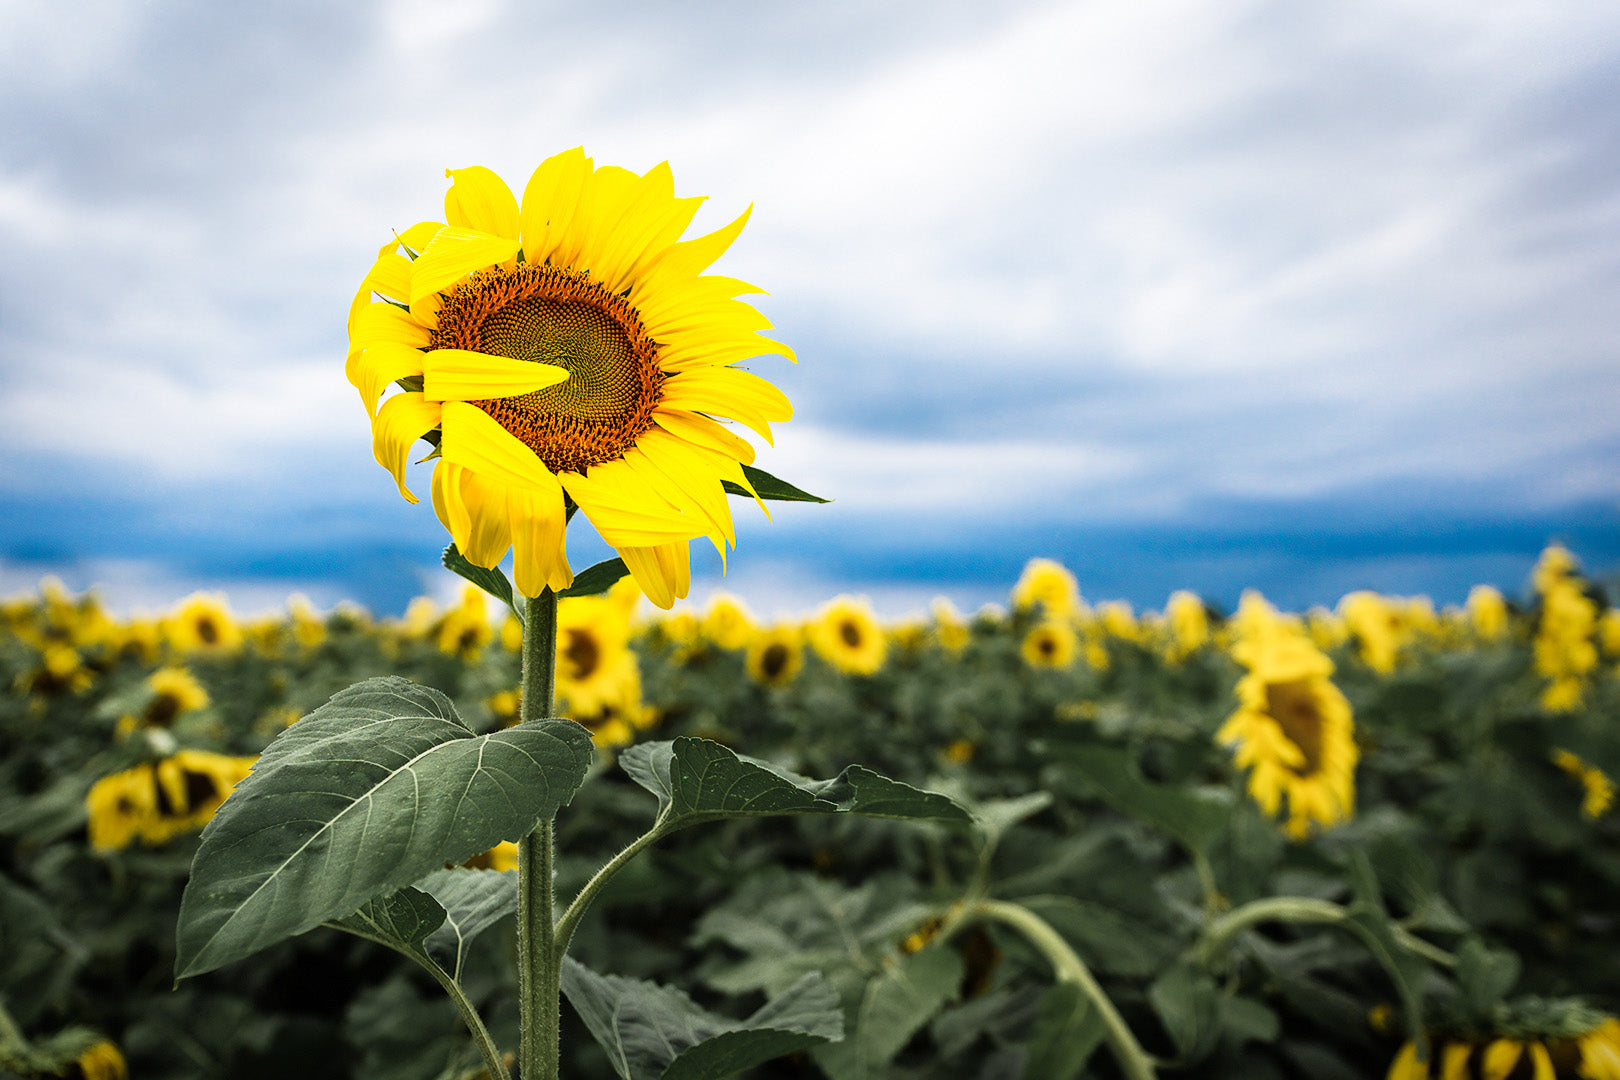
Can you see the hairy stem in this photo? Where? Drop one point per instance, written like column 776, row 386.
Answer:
column 582, row 902
column 539, row 966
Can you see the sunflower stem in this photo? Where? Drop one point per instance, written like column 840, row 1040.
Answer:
column 539, row 966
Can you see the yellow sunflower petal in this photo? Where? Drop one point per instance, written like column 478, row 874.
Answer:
column 460, row 375
column 389, row 276
column 480, row 200
column 704, row 432
column 663, row 571
column 371, row 370
column 402, row 420
column 452, row 255
column 731, row 392
column 692, row 257
column 490, row 535
column 683, row 479
column 697, row 353
column 626, row 509
column 416, row 238
column 539, row 540
column 647, row 222
column 381, row 322
column 473, row 439
column 550, row 200
column 1542, row 1063
column 1499, row 1059
column 448, row 503
column 1454, row 1061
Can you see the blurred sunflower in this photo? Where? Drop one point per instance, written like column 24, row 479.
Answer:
column 1597, row 785
column 173, row 692
column 1293, row 731
column 727, row 622
column 847, row 636
column 101, row 1060
column 203, row 624
column 191, row 785
column 1187, row 619
column 465, row 629
column 1591, row 1052
column 595, row 665
column 1048, row 585
column 950, row 629
column 1051, row 643
column 566, row 351
column 117, row 807
column 775, row 656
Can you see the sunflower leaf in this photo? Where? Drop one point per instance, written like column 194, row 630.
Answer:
column 651, row 1031
column 473, row 901
column 492, row 580
column 1194, row 816
column 597, row 579
column 699, row 780
column 374, row 790
column 402, row 921
column 770, row 487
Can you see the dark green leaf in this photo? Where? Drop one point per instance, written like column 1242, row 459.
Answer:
column 374, row 790
column 1192, row 815
column 473, row 901
column 769, row 487
column 1484, row 975
column 1188, row 1004
column 1067, row 1032
column 652, row 1031
column 894, row 1007
column 401, row 921
column 1107, row 940
column 699, row 780
column 597, row 579
column 994, row 817
column 492, row 581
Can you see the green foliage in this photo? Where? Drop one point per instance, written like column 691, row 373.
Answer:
column 770, row 488
column 351, row 803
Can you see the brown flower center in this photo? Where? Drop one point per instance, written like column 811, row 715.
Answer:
column 773, row 660
column 1295, row 708
column 548, row 315
column 582, row 653
column 851, row 633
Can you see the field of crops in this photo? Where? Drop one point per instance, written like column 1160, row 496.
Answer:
column 1197, row 844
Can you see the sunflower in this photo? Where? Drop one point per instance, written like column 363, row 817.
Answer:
column 847, row 636
column 1596, row 783
column 101, row 1060
column 174, row 692
column 1293, row 730
column 594, row 660
column 465, row 629
column 568, row 351
column 191, row 785
column 1591, row 1052
column 950, row 629
column 1187, row 620
column 1049, row 585
column 204, row 624
column 727, row 622
column 118, row 806
column 775, row 656
column 1051, row 643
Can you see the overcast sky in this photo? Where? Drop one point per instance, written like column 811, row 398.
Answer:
column 1305, row 297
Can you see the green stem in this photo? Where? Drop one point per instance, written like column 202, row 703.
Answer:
column 1134, row 1062
column 486, row 1046
column 539, row 966
column 587, row 895
column 1303, row 909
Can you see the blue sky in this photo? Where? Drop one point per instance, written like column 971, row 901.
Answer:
column 1303, row 297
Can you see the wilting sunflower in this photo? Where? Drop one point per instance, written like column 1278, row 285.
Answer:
column 775, row 656
column 1293, row 731
column 566, row 351
column 847, row 636
column 1051, row 643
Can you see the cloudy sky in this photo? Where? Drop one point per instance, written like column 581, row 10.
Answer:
column 1304, row 297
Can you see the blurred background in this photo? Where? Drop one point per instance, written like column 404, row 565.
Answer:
column 1185, row 295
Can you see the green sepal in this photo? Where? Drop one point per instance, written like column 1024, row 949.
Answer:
column 770, row 488
column 492, row 580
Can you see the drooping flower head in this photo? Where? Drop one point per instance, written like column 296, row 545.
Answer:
column 566, row 351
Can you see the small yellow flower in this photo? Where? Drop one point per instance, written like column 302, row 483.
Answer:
column 102, row 1061
column 506, row 707
column 1051, row 643
column 775, row 656
column 1565, row 647
column 949, row 627
column 1379, row 629
column 960, row 752
column 847, row 635
column 1599, row 788
column 1049, row 585
column 727, row 622
column 1487, row 613
column 203, row 624
column 309, row 629
column 1188, row 621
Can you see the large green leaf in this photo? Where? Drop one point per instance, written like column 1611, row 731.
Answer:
column 893, row 1007
column 374, row 790
column 1188, row 1004
column 473, row 901
column 769, row 487
column 1192, row 815
column 699, row 780
column 492, row 580
column 652, row 1031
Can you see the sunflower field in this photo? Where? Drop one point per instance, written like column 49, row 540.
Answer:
column 1375, row 840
